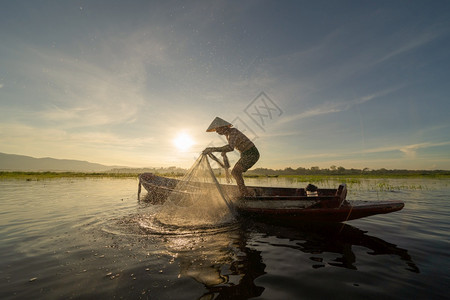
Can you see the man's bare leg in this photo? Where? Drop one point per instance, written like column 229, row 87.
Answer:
column 237, row 174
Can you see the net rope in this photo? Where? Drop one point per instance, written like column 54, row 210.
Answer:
column 198, row 199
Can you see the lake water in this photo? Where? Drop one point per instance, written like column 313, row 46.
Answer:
column 84, row 238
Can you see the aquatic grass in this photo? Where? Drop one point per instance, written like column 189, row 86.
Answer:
column 385, row 186
column 362, row 182
column 36, row 176
column 315, row 178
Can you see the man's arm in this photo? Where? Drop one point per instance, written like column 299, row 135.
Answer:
column 226, row 148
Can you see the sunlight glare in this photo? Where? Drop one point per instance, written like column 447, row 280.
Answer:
column 183, row 142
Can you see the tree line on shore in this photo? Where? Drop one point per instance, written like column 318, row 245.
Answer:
column 333, row 170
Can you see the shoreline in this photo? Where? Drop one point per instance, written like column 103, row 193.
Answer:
column 29, row 176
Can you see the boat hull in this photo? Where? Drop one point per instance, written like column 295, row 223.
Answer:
column 283, row 205
column 346, row 212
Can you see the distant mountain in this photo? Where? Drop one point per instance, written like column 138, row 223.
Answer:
column 12, row 162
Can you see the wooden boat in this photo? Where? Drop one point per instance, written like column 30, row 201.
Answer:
column 284, row 205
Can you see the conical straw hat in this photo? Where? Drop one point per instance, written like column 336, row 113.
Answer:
column 218, row 122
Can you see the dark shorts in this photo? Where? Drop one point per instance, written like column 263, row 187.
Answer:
column 248, row 158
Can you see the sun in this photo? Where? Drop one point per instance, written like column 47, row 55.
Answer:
column 183, row 142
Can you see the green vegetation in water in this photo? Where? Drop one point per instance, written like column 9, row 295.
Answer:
column 378, row 182
column 365, row 182
column 312, row 175
column 352, row 178
column 35, row 176
column 386, row 186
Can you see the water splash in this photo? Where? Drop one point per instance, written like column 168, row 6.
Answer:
column 197, row 200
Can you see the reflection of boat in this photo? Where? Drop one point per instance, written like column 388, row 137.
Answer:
column 319, row 238
column 289, row 205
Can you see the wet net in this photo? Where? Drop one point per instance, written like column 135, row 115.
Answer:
column 198, row 199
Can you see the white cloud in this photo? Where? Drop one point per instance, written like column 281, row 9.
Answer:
column 353, row 158
column 334, row 107
column 20, row 135
column 411, row 150
column 403, row 46
column 408, row 150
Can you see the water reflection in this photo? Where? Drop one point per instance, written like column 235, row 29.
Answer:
column 219, row 259
column 337, row 238
column 227, row 261
column 230, row 280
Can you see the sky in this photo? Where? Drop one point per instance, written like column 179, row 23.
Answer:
column 357, row 84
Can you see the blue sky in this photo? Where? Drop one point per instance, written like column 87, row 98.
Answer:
column 314, row 83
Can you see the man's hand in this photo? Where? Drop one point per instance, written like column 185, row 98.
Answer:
column 207, row 150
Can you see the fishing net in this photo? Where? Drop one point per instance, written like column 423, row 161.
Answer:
column 198, row 199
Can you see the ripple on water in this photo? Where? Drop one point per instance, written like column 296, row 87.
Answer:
column 149, row 224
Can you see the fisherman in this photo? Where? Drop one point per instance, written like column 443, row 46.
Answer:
column 236, row 140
